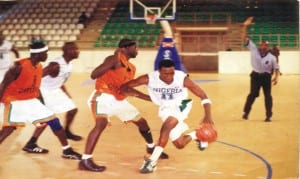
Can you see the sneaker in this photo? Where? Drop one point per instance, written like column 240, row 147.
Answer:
column 245, row 116
column 202, row 145
column 148, row 166
column 33, row 148
column 72, row 136
column 89, row 165
column 162, row 155
column 69, row 153
column 268, row 119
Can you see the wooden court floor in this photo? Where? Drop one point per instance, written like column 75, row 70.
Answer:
column 244, row 149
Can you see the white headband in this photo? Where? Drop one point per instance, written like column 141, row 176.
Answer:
column 39, row 50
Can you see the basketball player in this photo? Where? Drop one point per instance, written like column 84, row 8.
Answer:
column 107, row 101
column 55, row 95
column 263, row 64
column 6, row 60
column 167, row 88
column 18, row 96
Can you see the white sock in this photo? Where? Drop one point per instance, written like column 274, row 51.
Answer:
column 156, row 153
column 150, row 145
column 86, row 156
column 66, row 147
column 193, row 135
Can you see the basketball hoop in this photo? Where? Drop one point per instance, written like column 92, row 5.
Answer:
column 150, row 19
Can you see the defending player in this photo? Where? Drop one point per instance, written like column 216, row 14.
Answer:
column 18, row 94
column 167, row 88
column 55, row 95
column 107, row 101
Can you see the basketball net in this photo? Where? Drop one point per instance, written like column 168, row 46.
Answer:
column 150, row 19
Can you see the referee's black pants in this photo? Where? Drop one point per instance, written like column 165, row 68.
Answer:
column 260, row 80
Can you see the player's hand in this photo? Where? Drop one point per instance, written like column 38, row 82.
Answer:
column 248, row 21
column 275, row 81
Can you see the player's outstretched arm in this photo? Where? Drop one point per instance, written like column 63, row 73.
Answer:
column 129, row 88
column 247, row 22
column 52, row 69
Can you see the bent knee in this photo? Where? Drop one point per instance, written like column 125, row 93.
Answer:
column 178, row 145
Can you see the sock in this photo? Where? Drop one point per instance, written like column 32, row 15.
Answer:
column 150, row 145
column 86, row 156
column 66, row 147
column 32, row 140
column 193, row 135
column 147, row 135
column 156, row 153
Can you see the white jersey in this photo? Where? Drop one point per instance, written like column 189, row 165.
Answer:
column 65, row 69
column 6, row 58
column 164, row 94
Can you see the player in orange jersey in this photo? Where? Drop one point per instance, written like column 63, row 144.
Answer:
column 107, row 101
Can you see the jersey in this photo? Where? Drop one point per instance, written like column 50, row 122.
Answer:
column 65, row 69
column 27, row 85
column 6, row 59
column 113, row 79
column 261, row 64
column 168, row 51
column 163, row 94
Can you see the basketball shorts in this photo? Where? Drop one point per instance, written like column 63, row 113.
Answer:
column 18, row 113
column 104, row 104
column 57, row 100
column 174, row 111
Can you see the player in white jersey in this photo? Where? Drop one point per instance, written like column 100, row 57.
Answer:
column 55, row 95
column 6, row 59
column 167, row 88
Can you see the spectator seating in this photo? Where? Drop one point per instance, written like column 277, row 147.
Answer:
column 53, row 20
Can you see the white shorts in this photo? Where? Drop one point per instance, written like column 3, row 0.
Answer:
column 104, row 104
column 17, row 113
column 57, row 100
column 174, row 110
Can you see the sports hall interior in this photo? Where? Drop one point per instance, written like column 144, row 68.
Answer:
column 208, row 39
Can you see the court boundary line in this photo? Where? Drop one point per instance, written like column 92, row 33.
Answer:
column 267, row 164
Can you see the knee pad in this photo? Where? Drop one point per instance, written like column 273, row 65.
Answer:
column 54, row 124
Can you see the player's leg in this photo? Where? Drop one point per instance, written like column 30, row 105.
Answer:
column 5, row 132
column 87, row 158
column 100, row 105
column 31, row 146
column 58, row 130
column 254, row 93
column 266, row 85
column 145, row 131
column 149, row 164
column 70, row 115
column 59, row 102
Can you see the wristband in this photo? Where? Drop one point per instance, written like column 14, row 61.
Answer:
column 205, row 101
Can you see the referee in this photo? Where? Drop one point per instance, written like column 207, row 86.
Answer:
column 263, row 64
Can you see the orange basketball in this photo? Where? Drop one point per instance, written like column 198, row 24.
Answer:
column 206, row 133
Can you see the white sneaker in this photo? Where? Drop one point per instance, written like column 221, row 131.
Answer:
column 202, row 145
column 148, row 166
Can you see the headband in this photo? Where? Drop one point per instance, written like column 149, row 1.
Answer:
column 39, row 50
column 127, row 44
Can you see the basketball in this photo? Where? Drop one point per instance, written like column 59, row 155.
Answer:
column 206, row 133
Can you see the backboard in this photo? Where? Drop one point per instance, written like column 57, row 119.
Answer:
column 152, row 10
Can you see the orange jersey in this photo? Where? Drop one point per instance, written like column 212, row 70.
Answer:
column 27, row 85
column 113, row 79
